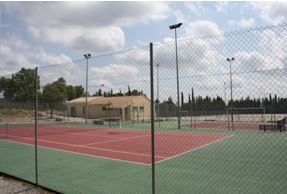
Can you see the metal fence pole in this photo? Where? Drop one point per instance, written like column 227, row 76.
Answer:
column 152, row 118
column 87, row 112
column 36, row 125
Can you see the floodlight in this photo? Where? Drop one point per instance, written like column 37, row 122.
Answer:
column 175, row 26
column 88, row 55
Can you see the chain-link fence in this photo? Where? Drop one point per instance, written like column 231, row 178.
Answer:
column 232, row 87
column 193, row 115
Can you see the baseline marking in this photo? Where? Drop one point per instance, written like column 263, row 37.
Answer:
column 79, row 153
column 194, row 149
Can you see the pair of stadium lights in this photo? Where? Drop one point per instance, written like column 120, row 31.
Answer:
column 175, row 26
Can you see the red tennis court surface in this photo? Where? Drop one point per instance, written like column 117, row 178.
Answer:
column 216, row 125
column 117, row 144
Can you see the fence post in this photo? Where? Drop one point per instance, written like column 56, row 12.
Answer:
column 36, row 126
column 152, row 118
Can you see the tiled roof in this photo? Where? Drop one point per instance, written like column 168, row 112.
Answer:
column 82, row 100
column 116, row 101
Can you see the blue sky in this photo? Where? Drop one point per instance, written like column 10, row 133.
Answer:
column 48, row 33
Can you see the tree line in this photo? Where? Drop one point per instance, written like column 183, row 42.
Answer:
column 20, row 88
column 110, row 93
column 205, row 105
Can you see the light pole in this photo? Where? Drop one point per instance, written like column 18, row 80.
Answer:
column 87, row 56
column 175, row 26
column 231, row 98
column 157, row 91
column 226, row 103
column 224, row 85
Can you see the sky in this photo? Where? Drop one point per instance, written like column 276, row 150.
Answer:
column 48, row 33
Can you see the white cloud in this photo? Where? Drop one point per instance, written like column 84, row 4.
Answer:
column 204, row 28
column 273, row 12
column 51, row 59
column 16, row 54
column 114, row 71
column 85, row 39
column 87, row 26
column 249, row 61
column 12, row 61
column 273, row 46
column 221, row 5
column 135, row 57
column 195, row 7
column 180, row 17
column 116, row 76
column 246, row 22
column 243, row 23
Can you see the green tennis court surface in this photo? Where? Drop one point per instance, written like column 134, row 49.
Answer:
column 249, row 162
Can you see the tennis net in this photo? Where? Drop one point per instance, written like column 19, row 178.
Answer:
column 27, row 129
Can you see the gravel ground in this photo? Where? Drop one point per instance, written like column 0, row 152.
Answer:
column 9, row 185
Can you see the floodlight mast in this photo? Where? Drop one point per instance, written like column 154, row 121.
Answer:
column 87, row 56
column 231, row 97
column 175, row 26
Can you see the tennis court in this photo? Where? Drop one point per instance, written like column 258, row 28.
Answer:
column 201, row 160
column 114, row 143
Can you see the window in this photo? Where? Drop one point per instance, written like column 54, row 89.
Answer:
column 73, row 111
column 108, row 108
column 141, row 108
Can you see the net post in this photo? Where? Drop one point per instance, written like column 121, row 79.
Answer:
column 36, row 126
column 152, row 118
column 6, row 129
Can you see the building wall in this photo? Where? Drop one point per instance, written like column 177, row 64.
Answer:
column 138, row 109
column 78, row 108
column 99, row 111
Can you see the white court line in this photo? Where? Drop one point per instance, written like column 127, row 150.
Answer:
column 78, row 153
column 194, row 149
column 92, row 148
column 115, row 140
column 81, row 134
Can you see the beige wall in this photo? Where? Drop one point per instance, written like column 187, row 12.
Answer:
column 96, row 111
column 136, row 111
column 79, row 110
column 139, row 109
